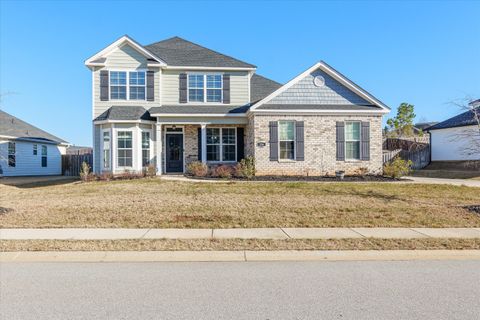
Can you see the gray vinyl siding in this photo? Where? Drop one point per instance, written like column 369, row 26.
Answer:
column 305, row 92
column 239, row 88
column 28, row 164
column 124, row 59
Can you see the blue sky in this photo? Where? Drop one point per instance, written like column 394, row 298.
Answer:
column 424, row 53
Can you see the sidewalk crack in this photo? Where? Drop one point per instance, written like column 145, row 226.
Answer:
column 288, row 236
column 361, row 235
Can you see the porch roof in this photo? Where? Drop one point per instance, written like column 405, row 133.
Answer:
column 199, row 109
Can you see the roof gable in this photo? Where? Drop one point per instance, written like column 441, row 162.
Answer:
column 11, row 126
column 182, row 53
column 337, row 90
column 99, row 58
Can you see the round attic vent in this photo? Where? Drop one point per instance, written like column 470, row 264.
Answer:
column 319, row 81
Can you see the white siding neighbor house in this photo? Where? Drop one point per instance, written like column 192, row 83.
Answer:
column 457, row 138
column 174, row 102
column 26, row 150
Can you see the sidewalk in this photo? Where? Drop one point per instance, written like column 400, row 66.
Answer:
column 453, row 182
column 257, row 233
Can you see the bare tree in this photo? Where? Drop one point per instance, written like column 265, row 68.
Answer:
column 469, row 134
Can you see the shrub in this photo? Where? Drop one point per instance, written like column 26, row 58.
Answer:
column 245, row 168
column 150, row 171
column 85, row 173
column 128, row 175
column 104, row 176
column 397, row 168
column 197, row 169
column 223, row 171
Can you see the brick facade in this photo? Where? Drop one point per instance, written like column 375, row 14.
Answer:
column 320, row 145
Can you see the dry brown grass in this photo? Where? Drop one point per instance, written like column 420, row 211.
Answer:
column 238, row 244
column 159, row 204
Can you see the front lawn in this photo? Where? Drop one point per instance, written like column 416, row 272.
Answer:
column 153, row 203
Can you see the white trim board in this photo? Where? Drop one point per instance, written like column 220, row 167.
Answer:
column 117, row 44
column 331, row 72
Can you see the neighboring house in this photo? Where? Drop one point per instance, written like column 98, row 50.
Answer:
column 423, row 126
column 26, row 150
column 173, row 102
column 457, row 138
column 79, row 150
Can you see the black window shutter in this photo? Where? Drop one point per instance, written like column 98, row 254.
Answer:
column 150, row 86
column 300, row 138
column 365, row 141
column 273, row 140
column 183, row 88
column 226, row 88
column 199, row 144
column 340, row 141
column 104, row 85
column 240, row 144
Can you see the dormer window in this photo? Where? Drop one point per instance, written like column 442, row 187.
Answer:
column 205, row 88
column 135, row 90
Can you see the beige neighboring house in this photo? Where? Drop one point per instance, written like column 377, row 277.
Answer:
column 173, row 102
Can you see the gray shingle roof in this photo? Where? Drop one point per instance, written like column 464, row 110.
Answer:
column 180, row 52
column 13, row 127
column 199, row 109
column 125, row 113
column 260, row 87
column 316, row 107
column 464, row 119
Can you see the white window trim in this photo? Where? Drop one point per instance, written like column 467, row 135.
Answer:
column 204, row 74
column 221, row 145
column 294, row 141
column 127, row 97
column 132, row 148
column 109, row 150
column 35, row 149
column 359, row 141
column 150, row 146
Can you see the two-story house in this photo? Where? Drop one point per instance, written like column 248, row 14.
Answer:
column 173, row 102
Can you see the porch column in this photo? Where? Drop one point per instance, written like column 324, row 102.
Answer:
column 204, row 142
column 158, row 145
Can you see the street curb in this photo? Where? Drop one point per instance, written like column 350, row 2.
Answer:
column 237, row 256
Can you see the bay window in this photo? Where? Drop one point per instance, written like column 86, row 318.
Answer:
column 106, row 149
column 124, row 148
column 352, row 140
column 221, row 144
column 286, row 140
column 145, row 148
column 205, row 88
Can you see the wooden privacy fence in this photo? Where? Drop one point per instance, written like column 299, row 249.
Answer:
column 72, row 163
column 417, row 152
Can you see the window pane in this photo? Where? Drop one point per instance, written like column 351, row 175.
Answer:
column 213, row 136
column 137, row 93
column 352, row 150
column 195, row 95
column 214, row 81
column 214, row 95
column 195, row 81
column 118, row 78
column 228, row 153
column 287, row 150
column 44, row 161
column 11, row 160
column 11, row 148
column 145, row 140
column 137, row 78
column 118, row 92
column 213, row 153
column 286, row 130
column 228, row 135
column 44, row 150
column 352, row 131
column 145, row 158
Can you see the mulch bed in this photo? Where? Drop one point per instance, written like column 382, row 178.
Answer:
column 474, row 208
column 365, row 178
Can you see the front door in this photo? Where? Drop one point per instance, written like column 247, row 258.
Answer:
column 174, row 152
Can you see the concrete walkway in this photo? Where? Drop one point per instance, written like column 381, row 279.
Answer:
column 256, row 233
column 453, row 182
column 240, row 255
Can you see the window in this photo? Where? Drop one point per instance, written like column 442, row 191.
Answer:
column 195, row 88
column 352, row 140
column 286, row 139
column 44, row 156
column 137, row 85
column 11, row 154
column 145, row 148
column 124, row 149
column 221, row 144
column 205, row 88
column 106, row 149
column 118, row 85
column 35, row 149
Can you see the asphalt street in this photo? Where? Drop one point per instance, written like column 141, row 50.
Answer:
column 241, row 290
